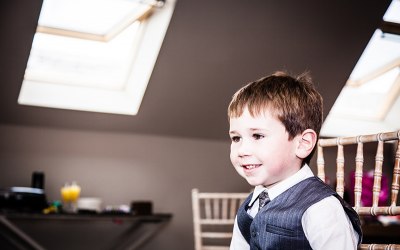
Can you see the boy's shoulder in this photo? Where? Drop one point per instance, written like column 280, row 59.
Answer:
column 313, row 185
column 310, row 190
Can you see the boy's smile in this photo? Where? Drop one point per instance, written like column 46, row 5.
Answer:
column 261, row 151
column 251, row 166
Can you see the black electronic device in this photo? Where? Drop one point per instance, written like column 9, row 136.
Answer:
column 22, row 199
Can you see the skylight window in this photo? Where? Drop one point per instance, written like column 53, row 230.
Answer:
column 392, row 13
column 90, row 19
column 94, row 55
column 369, row 103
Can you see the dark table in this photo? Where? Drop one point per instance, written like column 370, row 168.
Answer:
column 78, row 231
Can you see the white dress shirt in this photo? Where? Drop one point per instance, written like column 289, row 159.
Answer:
column 325, row 223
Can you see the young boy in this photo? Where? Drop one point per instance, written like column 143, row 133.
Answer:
column 274, row 126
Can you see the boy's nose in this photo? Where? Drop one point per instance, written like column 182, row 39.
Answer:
column 244, row 148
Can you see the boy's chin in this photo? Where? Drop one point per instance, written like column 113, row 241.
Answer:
column 254, row 182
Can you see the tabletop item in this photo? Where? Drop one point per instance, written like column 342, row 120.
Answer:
column 22, row 199
column 89, row 205
column 142, row 207
column 69, row 195
column 38, row 179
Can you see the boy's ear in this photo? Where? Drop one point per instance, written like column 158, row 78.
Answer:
column 306, row 142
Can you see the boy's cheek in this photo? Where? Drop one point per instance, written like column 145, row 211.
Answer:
column 232, row 161
column 231, row 153
column 233, row 157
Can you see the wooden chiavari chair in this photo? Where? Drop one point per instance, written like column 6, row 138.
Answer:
column 213, row 218
column 375, row 209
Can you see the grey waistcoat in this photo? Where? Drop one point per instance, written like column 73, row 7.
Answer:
column 278, row 224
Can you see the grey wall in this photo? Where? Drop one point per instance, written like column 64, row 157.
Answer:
column 120, row 168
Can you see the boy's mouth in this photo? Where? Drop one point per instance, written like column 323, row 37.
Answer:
column 251, row 166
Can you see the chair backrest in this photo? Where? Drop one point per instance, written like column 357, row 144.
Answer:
column 213, row 218
column 375, row 209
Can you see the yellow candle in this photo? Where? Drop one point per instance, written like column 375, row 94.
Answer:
column 65, row 193
column 74, row 192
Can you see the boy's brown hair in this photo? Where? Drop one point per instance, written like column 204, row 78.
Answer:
column 293, row 100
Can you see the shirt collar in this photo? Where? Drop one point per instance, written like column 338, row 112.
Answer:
column 304, row 173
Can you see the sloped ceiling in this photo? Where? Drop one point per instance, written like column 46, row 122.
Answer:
column 211, row 49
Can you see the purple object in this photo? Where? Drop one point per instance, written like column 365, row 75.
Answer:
column 367, row 187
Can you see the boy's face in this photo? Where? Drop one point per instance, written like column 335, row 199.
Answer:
column 261, row 151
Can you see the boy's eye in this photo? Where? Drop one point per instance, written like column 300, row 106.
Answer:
column 258, row 136
column 235, row 138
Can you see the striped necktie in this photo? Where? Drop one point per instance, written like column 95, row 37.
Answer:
column 263, row 199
